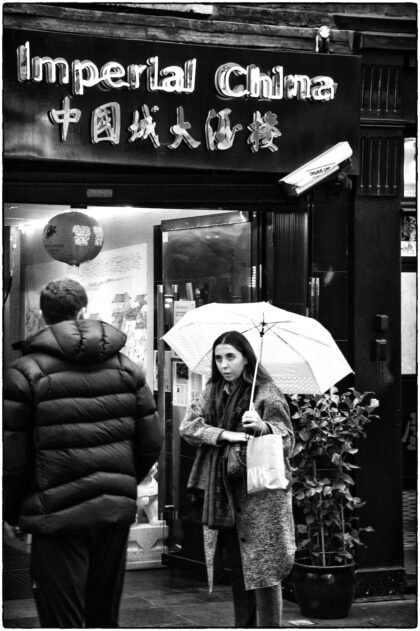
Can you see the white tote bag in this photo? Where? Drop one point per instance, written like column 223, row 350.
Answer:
column 265, row 463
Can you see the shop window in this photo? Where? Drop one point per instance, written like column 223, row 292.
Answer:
column 408, row 207
column 408, row 233
column 410, row 179
column 210, row 263
column 408, row 323
column 408, row 261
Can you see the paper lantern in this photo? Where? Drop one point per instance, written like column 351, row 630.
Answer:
column 73, row 238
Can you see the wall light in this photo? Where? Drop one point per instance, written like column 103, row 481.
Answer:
column 322, row 39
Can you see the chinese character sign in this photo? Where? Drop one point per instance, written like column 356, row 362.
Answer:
column 160, row 104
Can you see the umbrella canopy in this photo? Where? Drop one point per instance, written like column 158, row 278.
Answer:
column 298, row 352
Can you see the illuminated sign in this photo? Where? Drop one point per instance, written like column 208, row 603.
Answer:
column 85, row 74
column 93, row 99
column 106, row 119
column 277, row 85
column 106, row 127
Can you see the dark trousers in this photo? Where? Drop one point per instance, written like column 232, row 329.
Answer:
column 255, row 607
column 78, row 579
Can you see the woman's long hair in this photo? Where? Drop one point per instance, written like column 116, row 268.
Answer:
column 239, row 341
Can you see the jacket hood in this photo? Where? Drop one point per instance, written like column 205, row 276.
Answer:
column 82, row 341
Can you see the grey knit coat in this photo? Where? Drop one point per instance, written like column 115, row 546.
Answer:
column 264, row 521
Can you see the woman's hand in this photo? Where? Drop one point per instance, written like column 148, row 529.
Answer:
column 233, row 437
column 251, row 420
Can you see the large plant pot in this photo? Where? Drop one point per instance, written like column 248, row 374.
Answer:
column 324, row 591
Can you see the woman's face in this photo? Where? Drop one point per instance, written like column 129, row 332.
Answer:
column 229, row 361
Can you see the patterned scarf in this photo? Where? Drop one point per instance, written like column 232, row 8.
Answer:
column 208, row 479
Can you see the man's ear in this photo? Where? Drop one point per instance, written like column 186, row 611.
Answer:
column 81, row 314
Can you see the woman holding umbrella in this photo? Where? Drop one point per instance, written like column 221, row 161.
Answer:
column 256, row 531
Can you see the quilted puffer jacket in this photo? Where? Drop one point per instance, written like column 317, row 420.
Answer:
column 80, row 430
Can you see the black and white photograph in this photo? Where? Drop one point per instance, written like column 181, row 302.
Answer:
column 210, row 316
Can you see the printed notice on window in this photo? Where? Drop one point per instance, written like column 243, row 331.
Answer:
column 181, row 307
column 180, row 388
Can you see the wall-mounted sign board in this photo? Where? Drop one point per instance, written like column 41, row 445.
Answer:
column 93, row 99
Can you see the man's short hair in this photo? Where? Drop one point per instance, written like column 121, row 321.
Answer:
column 62, row 300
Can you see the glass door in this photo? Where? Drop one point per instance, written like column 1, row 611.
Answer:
column 204, row 259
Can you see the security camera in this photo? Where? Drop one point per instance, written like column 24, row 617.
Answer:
column 318, row 169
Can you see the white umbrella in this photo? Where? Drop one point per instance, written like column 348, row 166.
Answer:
column 298, row 352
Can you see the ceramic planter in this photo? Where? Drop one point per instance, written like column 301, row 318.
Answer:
column 324, row 591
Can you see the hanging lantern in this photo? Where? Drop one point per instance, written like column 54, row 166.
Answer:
column 73, row 238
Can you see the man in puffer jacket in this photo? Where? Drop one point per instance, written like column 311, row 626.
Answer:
column 80, row 433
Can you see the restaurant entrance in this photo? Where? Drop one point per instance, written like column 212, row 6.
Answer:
column 156, row 263
column 207, row 258
column 238, row 256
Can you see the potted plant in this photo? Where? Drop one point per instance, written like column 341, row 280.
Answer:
column 327, row 427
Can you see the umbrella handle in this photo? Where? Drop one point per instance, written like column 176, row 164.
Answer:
column 251, row 402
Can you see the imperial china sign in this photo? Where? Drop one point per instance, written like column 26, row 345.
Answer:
column 91, row 99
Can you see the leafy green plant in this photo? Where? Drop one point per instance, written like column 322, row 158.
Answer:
column 327, row 427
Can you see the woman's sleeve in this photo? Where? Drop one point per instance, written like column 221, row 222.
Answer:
column 194, row 428
column 275, row 412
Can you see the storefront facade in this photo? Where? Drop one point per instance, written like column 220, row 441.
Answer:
column 174, row 131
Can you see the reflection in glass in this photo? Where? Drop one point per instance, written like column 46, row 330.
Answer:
column 408, row 323
column 408, row 235
column 410, row 150
column 210, row 264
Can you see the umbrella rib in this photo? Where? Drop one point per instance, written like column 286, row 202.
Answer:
column 271, row 326
column 257, row 326
column 250, row 328
column 313, row 339
column 286, row 330
column 268, row 326
column 290, row 345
